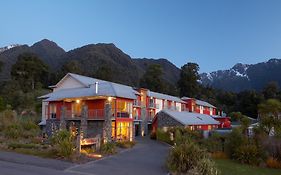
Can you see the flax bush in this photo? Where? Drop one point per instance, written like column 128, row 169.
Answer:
column 163, row 136
column 249, row 154
column 64, row 143
column 189, row 158
column 108, row 148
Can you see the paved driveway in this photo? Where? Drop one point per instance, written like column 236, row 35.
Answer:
column 146, row 158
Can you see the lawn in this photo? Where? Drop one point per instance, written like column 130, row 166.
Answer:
column 229, row 167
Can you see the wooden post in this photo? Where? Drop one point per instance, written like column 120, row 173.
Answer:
column 62, row 118
column 144, row 119
column 84, row 122
column 107, row 123
column 78, row 143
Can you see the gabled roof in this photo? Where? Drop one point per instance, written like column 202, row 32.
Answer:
column 199, row 102
column 203, row 103
column 189, row 118
column 164, row 96
column 105, row 88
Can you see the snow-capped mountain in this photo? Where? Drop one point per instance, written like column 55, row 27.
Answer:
column 2, row 49
column 244, row 76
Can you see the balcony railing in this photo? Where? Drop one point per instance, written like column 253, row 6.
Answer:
column 153, row 105
column 72, row 115
column 96, row 114
column 137, row 103
column 150, row 117
column 175, row 108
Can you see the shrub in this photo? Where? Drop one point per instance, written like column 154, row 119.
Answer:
column 7, row 118
column 125, row 144
column 153, row 135
column 189, row 158
column 163, row 136
column 219, row 155
column 28, row 124
column 249, row 154
column 108, row 148
column 273, row 147
column 273, row 163
column 233, row 141
column 64, row 143
column 186, row 133
column 13, row 131
column 215, row 143
column 23, row 145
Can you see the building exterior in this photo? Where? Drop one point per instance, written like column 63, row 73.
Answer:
column 193, row 121
column 202, row 107
column 113, row 111
column 85, row 104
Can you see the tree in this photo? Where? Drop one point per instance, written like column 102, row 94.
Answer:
column 104, row 73
column 271, row 90
column 72, row 66
column 269, row 115
column 152, row 79
column 247, row 103
column 188, row 82
column 29, row 71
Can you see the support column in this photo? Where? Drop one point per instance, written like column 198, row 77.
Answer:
column 62, row 118
column 144, row 121
column 84, row 120
column 107, row 123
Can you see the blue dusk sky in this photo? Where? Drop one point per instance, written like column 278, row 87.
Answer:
column 216, row 34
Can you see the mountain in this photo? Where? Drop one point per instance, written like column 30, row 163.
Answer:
column 47, row 50
column 2, row 49
column 171, row 73
column 244, row 76
column 90, row 57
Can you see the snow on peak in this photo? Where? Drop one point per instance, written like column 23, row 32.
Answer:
column 2, row 49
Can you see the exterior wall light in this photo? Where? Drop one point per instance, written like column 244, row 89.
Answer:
column 77, row 101
column 109, row 99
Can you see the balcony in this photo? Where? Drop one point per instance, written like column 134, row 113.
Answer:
column 153, row 105
column 70, row 115
column 150, row 117
column 175, row 108
column 96, row 114
column 137, row 103
column 122, row 115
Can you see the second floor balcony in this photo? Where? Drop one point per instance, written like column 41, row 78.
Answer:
column 153, row 105
column 137, row 103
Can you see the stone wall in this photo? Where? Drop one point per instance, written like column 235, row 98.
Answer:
column 95, row 128
column 52, row 125
column 164, row 120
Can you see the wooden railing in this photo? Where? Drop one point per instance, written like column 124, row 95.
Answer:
column 137, row 103
column 69, row 114
column 97, row 114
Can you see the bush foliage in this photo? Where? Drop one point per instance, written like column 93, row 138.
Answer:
column 63, row 141
column 108, row 148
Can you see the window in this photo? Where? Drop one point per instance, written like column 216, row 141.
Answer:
column 124, row 109
column 76, row 108
column 191, row 128
column 113, row 129
column 124, row 131
column 53, row 111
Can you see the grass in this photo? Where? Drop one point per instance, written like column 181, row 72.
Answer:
column 230, row 167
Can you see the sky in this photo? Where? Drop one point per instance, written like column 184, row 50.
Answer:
column 215, row 34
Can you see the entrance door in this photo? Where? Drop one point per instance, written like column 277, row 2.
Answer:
column 137, row 129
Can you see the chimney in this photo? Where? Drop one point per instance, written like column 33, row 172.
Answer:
column 97, row 87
